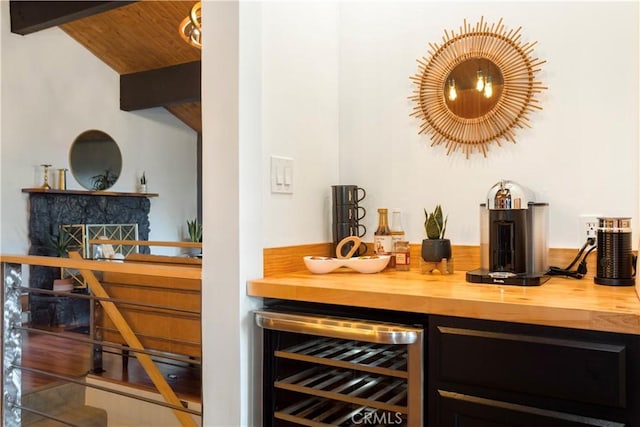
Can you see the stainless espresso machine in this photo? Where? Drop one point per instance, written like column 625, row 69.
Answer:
column 513, row 238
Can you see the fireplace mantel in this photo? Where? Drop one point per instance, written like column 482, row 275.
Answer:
column 51, row 209
column 88, row 192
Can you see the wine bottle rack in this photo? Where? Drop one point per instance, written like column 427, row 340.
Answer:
column 317, row 412
column 362, row 388
column 333, row 380
column 368, row 357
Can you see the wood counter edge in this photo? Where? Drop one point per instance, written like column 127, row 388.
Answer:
column 547, row 315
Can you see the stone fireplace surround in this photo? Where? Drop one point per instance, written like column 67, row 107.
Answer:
column 50, row 209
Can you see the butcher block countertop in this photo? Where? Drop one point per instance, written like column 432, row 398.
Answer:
column 560, row 302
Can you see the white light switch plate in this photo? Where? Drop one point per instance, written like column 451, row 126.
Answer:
column 281, row 175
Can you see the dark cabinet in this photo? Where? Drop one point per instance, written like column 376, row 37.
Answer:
column 459, row 410
column 479, row 373
column 486, row 373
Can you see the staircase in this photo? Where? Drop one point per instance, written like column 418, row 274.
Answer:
column 65, row 401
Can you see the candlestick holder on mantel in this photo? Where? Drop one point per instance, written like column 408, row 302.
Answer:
column 62, row 178
column 45, row 184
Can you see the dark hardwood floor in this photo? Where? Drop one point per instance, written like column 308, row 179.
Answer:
column 72, row 358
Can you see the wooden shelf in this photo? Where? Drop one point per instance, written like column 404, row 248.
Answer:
column 88, row 192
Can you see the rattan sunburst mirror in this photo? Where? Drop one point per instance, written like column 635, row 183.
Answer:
column 476, row 87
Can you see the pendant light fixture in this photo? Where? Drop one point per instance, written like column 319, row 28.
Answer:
column 453, row 94
column 190, row 28
column 488, row 87
column 479, row 80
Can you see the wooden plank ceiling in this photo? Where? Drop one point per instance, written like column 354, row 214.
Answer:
column 141, row 36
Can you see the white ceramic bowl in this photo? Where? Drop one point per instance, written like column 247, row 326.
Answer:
column 368, row 264
column 364, row 264
column 322, row 265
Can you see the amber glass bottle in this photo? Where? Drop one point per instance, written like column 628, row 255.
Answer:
column 382, row 241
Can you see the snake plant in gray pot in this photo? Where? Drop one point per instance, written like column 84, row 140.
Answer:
column 435, row 247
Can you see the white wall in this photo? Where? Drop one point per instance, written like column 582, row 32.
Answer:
column 299, row 116
column 53, row 89
column 581, row 154
column 224, row 335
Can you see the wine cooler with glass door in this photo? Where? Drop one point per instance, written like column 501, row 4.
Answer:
column 321, row 370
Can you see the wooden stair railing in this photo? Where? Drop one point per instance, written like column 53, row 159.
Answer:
column 146, row 243
column 134, row 343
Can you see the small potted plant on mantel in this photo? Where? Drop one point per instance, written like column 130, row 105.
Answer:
column 194, row 228
column 436, row 250
column 60, row 244
column 142, row 187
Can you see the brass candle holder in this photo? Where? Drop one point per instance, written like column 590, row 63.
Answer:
column 45, row 184
column 62, row 179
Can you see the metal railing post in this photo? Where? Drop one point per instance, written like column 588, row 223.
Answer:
column 95, row 319
column 11, row 345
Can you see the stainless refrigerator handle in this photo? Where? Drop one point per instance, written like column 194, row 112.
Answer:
column 337, row 327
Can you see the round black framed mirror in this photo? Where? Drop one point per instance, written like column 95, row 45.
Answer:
column 95, row 159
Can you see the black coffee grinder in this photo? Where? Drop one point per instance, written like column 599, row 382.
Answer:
column 513, row 238
column 616, row 263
